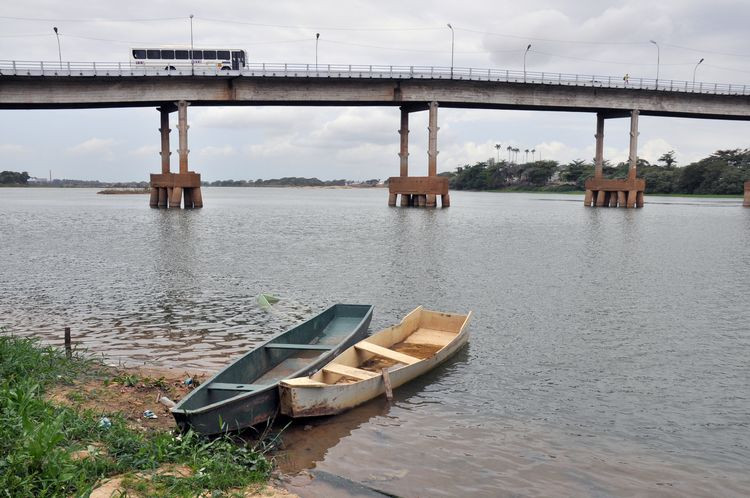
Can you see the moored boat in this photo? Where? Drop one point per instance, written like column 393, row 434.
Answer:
column 245, row 393
column 394, row 356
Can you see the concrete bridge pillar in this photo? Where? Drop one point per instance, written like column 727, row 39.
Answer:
column 418, row 190
column 746, row 202
column 173, row 189
column 602, row 192
column 404, row 153
column 432, row 151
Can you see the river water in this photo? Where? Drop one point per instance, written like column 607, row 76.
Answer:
column 608, row 352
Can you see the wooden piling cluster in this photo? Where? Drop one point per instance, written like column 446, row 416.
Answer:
column 614, row 193
column 175, row 190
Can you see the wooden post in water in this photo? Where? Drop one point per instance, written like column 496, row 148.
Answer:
column 387, row 382
column 68, row 347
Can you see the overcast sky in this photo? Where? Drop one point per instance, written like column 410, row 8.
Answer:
column 573, row 36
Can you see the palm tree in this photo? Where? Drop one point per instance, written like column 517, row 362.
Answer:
column 527, row 155
column 509, row 148
column 532, row 154
column 516, row 150
column 497, row 146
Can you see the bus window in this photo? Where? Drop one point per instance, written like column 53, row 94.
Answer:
column 139, row 54
column 197, row 54
column 153, row 54
column 167, row 54
column 180, row 54
column 222, row 55
column 209, row 54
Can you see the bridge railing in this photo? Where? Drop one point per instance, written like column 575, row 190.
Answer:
column 128, row 69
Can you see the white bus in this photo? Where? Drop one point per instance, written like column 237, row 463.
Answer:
column 168, row 58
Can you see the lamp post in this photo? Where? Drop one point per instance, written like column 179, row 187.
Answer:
column 524, row 62
column 453, row 39
column 192, row 59
column 317, row 37
column 59, row 53
column 657, row 63
column 694, row 70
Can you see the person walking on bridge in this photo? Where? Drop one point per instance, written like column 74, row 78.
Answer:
column 626, row 78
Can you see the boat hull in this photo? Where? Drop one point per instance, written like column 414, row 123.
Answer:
column 318, row 400
column 245, row 393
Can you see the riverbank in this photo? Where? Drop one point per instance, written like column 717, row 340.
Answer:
column 74, row 426
column 581, row 192
column 118, row 191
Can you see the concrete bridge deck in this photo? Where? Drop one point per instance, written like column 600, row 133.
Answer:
column 46, row 85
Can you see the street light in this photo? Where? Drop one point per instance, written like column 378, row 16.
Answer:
column 192, row 57
column 59, row 53
column 694, row 70
column 317, row 37
column 453, row 38
column 524, row 62
column 657, row 63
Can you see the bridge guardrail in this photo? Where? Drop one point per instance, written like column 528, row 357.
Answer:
column 130, row 69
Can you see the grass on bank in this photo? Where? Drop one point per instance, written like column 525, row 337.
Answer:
column 39, row 440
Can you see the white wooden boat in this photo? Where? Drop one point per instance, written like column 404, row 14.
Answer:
column 394, row 356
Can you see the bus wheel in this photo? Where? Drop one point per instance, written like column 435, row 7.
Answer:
column 225, row 68
column 169, row 68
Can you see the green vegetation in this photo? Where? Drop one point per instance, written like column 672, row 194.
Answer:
column 38, row 439
column 722, row 173
column 13, row 178
column 289, row 181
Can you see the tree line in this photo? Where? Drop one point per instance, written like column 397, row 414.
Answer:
column 723, row 172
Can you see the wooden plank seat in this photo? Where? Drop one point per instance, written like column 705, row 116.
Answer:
column 229, row 386
column 311, row 347
column 354, row 373
column 386, row 353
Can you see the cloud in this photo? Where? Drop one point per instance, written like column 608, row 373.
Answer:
column 12, row 150
column 212, row 151
column 100, row 147
column 145, row 151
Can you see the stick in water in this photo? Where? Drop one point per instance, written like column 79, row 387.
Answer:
column 387, row 382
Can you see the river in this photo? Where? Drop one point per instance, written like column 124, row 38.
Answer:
column 608, row 353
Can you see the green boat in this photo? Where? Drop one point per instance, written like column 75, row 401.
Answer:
column 245, row 393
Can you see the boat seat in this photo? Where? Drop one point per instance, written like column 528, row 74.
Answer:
column 312, row 347
column 353, row 372
column 228, row 386
column 386, row 353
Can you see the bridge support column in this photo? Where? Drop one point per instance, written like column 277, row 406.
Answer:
column 419, row 190
column 172, row 189
column 746, row 202
column 432, row 151
column 604, row 192
column 404, row 153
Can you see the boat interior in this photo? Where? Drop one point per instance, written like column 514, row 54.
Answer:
column 419, row 336
column 285, row 356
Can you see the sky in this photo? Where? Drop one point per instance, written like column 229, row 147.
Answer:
column 600, row 37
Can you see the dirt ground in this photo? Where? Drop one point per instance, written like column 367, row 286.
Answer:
column 130, row 391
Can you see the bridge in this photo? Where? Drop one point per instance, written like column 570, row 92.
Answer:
column 69, row 85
